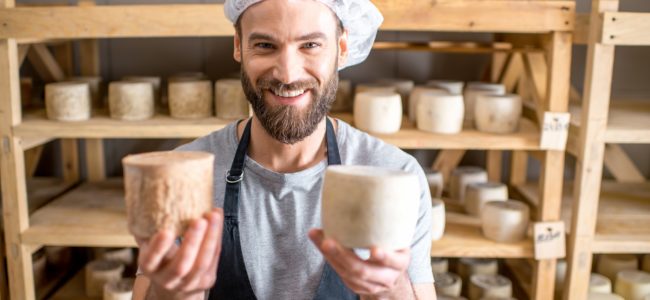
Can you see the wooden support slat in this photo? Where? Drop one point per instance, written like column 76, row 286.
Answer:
column 45, row 63
column 95, row 160
column 498, row 67
column 22, row 53
column 620, row 165
column 494, row 165
column 626, row 28
column 591, row 148
column 89, row 61
column 513, row 72
column 518, row 167
column 581, row 30
column 64, row 57
column 446, row 161
column 537, row 79
column 70, row 158
column 32, row 157
column 14, row 192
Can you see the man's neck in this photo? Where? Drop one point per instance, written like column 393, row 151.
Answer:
column 283, row 158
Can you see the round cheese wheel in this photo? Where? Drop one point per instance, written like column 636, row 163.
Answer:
column 343, row 101
column 440, row 113
column 436, row 183
column 190, row 99
column 374, row 87
column 166, row 190
column 230, row 100
column 414, row 97
column 479, row 193
column 119, row 290
column 603, row 296
column 439, row 265
column 98, row 273
column 451, row 86
column 461, row 177
column 645, row 263
column 493, row 285
column 610, row 264
column 122, row 255
column 94, row 83
column 67, row 101
column 632, row 284
column 475, row 89
column 378, row 112
column 473, row 266
column 402, row 86
column 365, row 206
column 599, row 283
column 437, row 219
column 154, row 80
column 131, row 100
column 505, row 221
column 497, row 113
column 448, row 284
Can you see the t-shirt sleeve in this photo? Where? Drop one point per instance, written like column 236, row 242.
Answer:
column 420, row 268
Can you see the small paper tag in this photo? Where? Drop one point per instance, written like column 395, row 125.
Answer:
column 555, row 130
column 550, row 240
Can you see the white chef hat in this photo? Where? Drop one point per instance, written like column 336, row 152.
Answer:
column 359, row 17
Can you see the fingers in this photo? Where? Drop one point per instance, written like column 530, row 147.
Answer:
column 153, row 251
column 204, row 270
column 393, row 259
column 172, row 274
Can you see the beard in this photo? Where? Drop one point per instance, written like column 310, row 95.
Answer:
column 286, row 123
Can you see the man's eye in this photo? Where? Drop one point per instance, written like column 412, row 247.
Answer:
column 311, row 45
column 264, row 45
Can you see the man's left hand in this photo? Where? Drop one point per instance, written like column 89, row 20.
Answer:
column 380, row 276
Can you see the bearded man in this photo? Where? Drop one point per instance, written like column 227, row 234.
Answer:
column 262, row 240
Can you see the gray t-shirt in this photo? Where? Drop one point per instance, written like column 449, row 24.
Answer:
column 276, row 210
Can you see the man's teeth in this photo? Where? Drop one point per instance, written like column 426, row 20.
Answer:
column 288, row 94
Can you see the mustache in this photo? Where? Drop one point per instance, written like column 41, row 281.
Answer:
column 271, row 83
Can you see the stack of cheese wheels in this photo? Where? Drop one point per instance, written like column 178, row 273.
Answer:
column 479, row 193
column 166, row 190
column 343, row 101
column 473, row 90
column 438, row 219
column 453, row 87
column 473, row 266
column 440, row 113
column 603, row 296
column 436, row 183
column 94, row 84
column 439, row 265
column 403, row 88
column 154, row 80
column 497, row 113
column 633, row 285
column 448, row 284
column 119, row 290
column 131, row 100
column 599, row 283
column 378, row 112
column 415, row 96
column 190, row 99
column 461, row 177
column 610, row 264
column 505, row 221
column 367, row 206
column 67, row 101
column 645, row 263
column 493, row 285
column 230, row 100
column 98, row 273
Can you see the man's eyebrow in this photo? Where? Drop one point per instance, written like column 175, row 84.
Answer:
column 260, row 36
column 312, row 36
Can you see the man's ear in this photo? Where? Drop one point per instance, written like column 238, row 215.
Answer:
column 237, row 48
column 343, row 48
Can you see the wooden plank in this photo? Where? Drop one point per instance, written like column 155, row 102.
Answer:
column 64, row 57
column 32, row 157
column 628, row 121
column 70, row 159
column 626, row 28
column 537, row 79
column 451, row 47
column 14, row 193
column 95, row 160
column 30, row 143
column 518, row 167
column 89, row 60
column 45, row 64
column 446, row 161
column 581, row 30
column 468, row 241
column 22, row 53
column 494, row 165
column 513, row 72
column 620, row 165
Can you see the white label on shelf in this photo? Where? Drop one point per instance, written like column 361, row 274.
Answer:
column 549, row 240
column 555, row 130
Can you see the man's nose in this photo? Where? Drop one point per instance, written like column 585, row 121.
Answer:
column 289, row 66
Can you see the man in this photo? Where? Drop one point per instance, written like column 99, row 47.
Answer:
column 264, row 243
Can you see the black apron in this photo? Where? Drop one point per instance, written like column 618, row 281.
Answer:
column 232, row 279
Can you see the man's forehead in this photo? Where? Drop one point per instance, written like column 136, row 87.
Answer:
column 293, row 17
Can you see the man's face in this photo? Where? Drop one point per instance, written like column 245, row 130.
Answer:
column 289, row 52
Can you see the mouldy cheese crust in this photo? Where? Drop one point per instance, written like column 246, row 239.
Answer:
column 166, row 190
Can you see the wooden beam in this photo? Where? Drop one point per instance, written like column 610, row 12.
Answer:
column 537, row 79
column 95, row 160
column 518, row 168
column 626, row 28
column 22, row 53
column 70, row 159
column 45, row 63
column 89, row 60
column 32, row 157
column 446, row 161
column 513, row 72
column 581, row 30
column 64, row 57
column 620, row 165
column 494, row 165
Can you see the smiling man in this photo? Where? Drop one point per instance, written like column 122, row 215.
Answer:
column 261, row 241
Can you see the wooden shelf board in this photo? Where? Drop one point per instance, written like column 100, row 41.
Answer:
column 452, row 47
column 626, row 28
column 623, row 221
column 628, row 122
column 163, row 126
column 91, row 215
column 40, row 190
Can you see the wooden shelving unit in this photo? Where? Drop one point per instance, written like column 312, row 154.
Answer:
column 93, row 214
column 606, row 217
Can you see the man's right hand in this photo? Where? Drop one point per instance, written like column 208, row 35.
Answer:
column 186, row 270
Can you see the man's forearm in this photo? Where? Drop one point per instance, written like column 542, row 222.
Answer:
column 403, row 291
